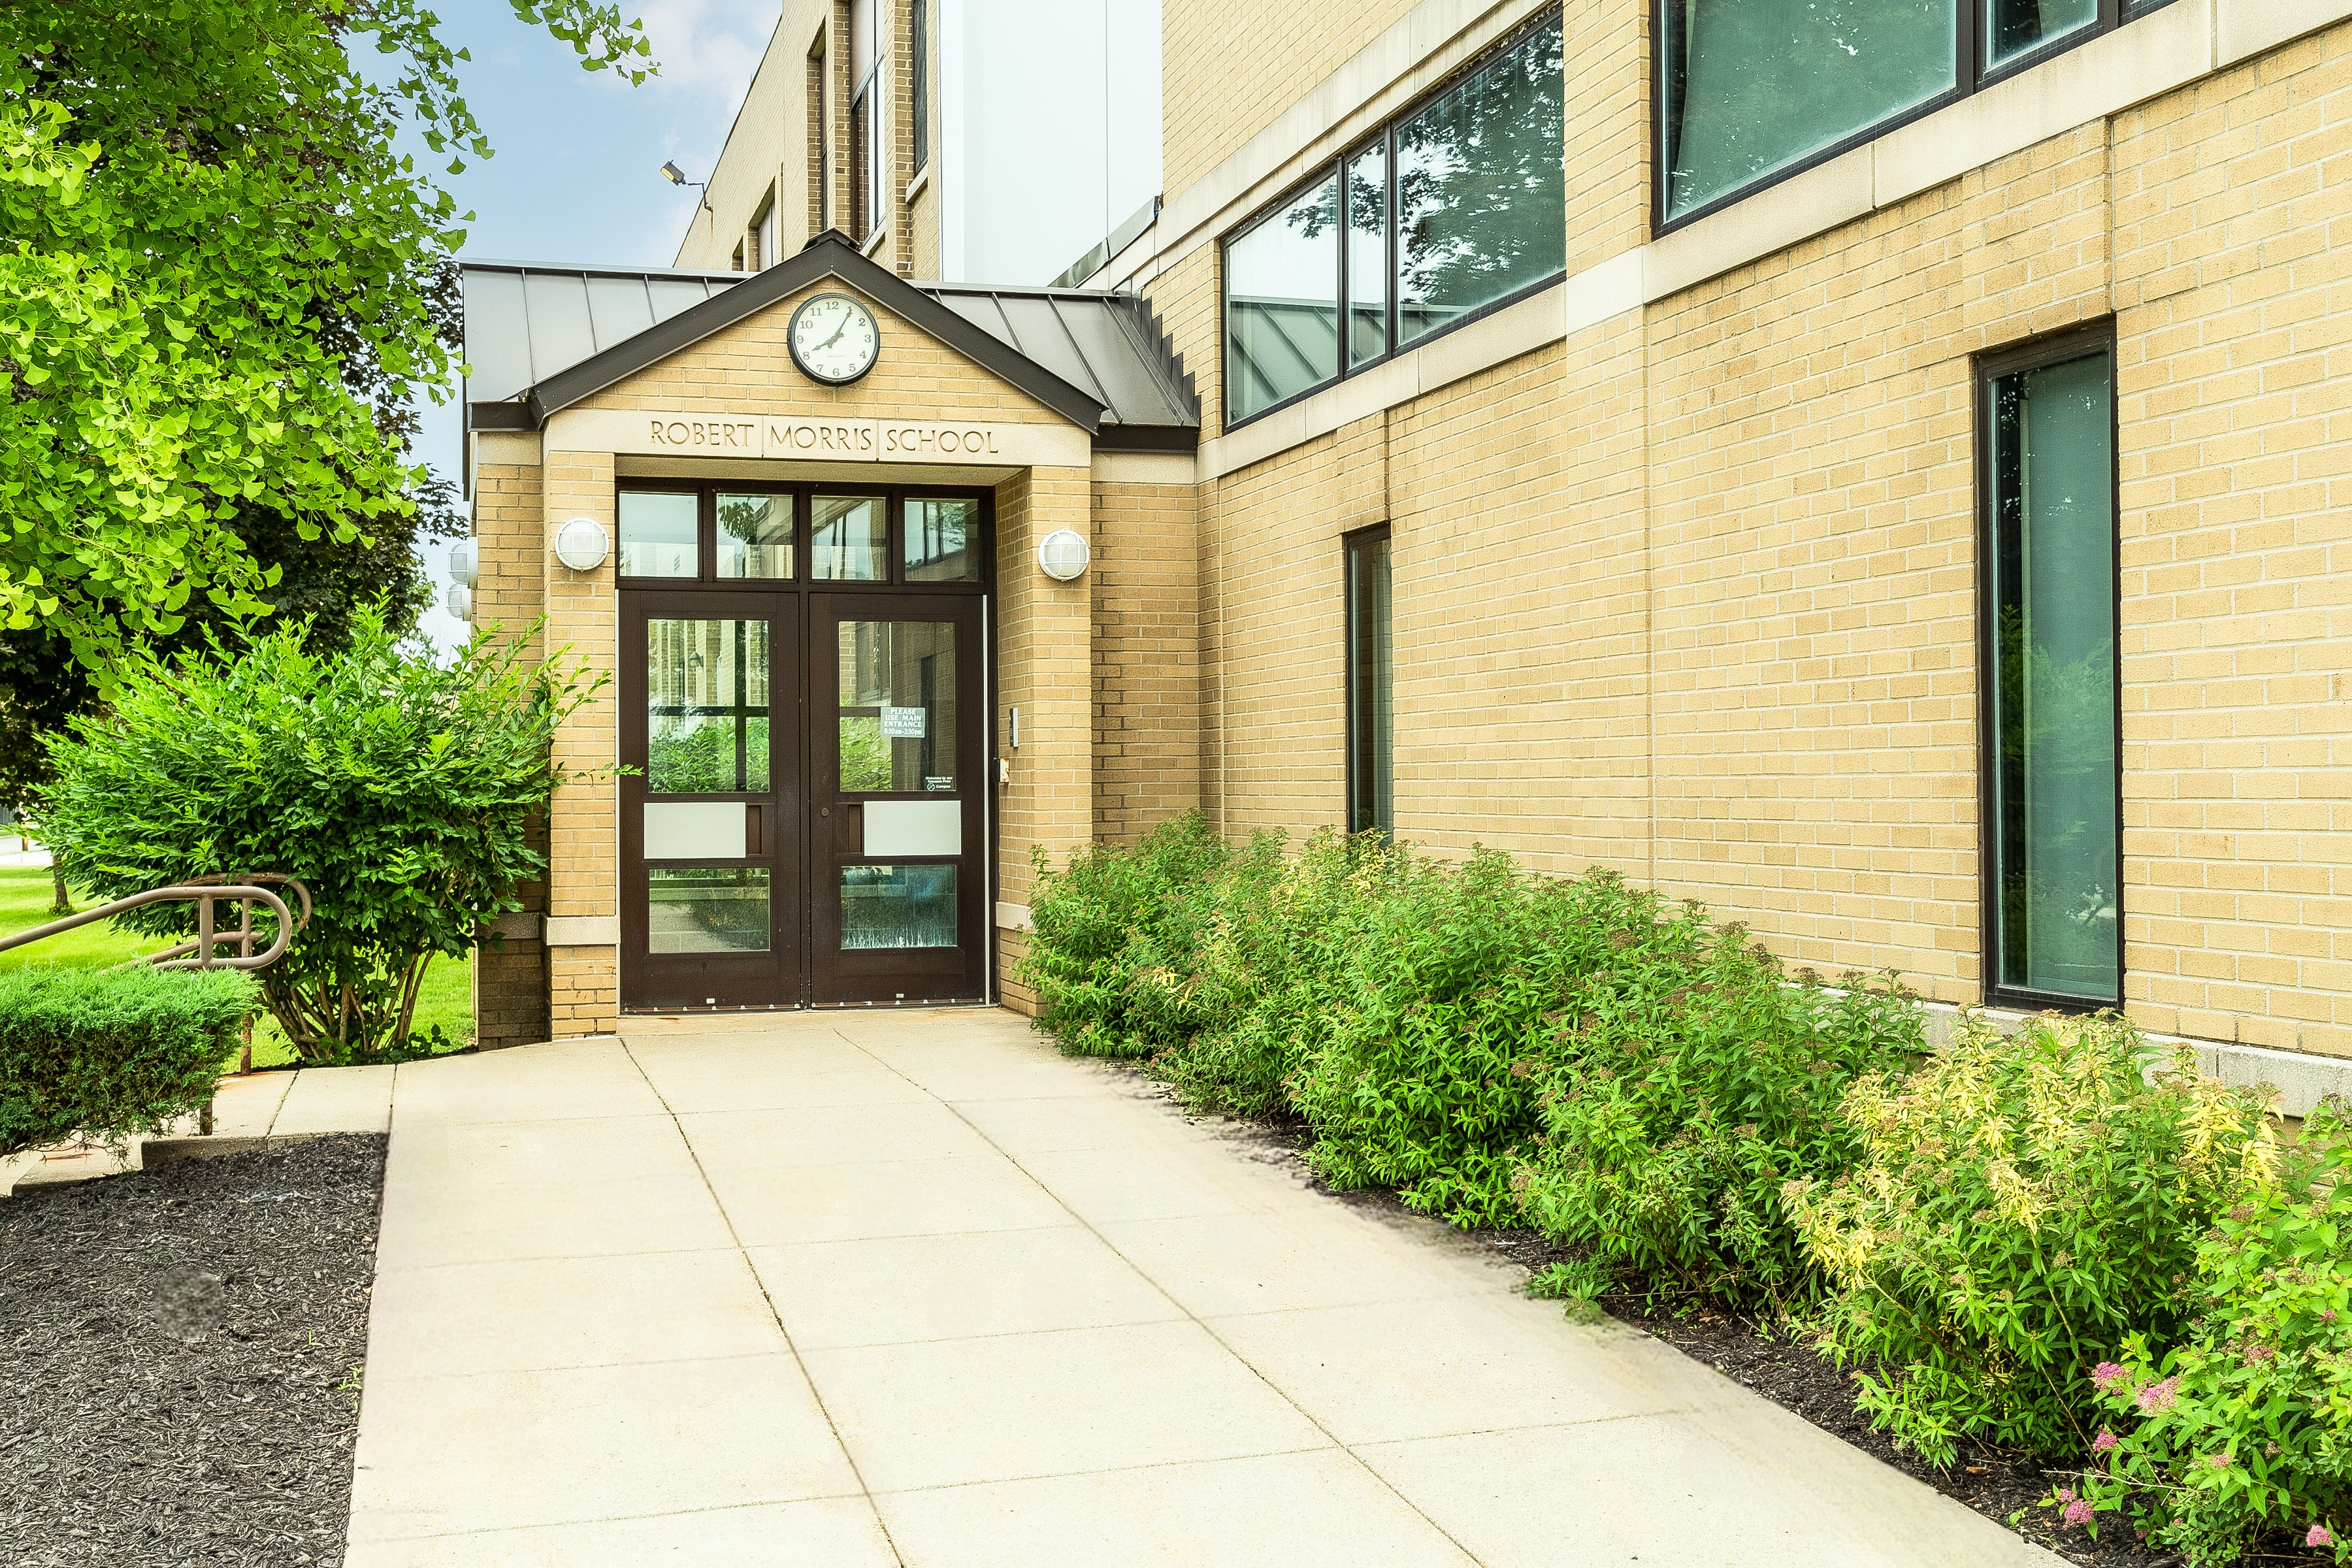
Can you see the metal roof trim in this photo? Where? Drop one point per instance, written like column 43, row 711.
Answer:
column 829, row 255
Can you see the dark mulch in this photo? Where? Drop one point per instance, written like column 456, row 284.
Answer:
column 179, row 1359
column 2006, row 1488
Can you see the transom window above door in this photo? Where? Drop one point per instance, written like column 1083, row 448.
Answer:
column 679, row 532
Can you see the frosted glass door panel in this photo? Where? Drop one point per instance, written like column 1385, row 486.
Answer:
column 697, row 830
column 914, row 827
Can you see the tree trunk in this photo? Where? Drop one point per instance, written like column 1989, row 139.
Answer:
column 64, row 906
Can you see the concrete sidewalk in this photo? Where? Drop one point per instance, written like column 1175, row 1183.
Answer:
column 860, row 1289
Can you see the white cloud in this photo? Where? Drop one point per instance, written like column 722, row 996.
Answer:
column 708, row 49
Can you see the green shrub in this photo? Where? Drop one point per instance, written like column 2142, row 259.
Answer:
column 1115, row 914
column 112, row 1053
column 403, row 792
column 1458, row 992
column 2245, row 1427
column 2023, row 1204
column 1270, row 981
column 1698, row 1082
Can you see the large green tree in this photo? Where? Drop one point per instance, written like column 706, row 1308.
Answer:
column 217, row 272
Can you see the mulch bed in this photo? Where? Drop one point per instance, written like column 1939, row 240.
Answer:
column 179, row 1359
column 2006, row 1488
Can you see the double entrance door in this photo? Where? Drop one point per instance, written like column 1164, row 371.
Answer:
column 805, row 822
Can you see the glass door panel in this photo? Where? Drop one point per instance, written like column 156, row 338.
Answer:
column 897, row 828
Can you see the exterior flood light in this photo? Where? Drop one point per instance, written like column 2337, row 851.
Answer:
column 461, row 601
column 1063, row 554
column 583, row 545
column 464, row 564
column 676, row 174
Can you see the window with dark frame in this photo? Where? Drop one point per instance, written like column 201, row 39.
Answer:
column 1454, row 209
column 918, row 23
column 2052, row 711
column 1370, row 674
column 866, row 139
column 677, row 531
column 1751, row 91
column 821, row 93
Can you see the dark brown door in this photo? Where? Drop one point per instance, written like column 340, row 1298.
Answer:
column 897, row 789
column 712, row 816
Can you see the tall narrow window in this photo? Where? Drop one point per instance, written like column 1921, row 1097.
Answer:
column 861, row 187
column 820, row 138
column 2055, row 892
column 918, row 24
column 865, row 138
column 1371, row 798
column 1368, row 254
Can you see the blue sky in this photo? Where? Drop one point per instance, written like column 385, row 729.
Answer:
column 577, row 171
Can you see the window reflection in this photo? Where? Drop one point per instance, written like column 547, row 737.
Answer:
column 2014, row 27
column 1753, row 86
column 755, row 536
column 898, row 906
column 708, row 909
column 706, row 707
column 942, row 541
column 1282, row 304
column 896, row 706
column 1368, row 256
column 658, row 534
column 849, row 539
column 1481, row 198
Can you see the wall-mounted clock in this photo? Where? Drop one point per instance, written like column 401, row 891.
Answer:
column 834, row 339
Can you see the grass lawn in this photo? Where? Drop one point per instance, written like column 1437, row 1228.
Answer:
column 447, row 998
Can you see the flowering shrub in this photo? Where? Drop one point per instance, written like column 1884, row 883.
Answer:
column 2023, row 1205
column 2245, row 1427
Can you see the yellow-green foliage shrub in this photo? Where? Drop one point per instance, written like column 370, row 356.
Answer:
column 2023, row 1204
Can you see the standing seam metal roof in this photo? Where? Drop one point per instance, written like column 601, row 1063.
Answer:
column 526, row 323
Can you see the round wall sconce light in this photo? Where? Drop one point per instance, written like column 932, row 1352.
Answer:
column 461, row 601
column 465, row 564
column 1063, row 554
column 583, row 545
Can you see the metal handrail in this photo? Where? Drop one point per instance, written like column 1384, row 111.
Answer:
column 204, row 892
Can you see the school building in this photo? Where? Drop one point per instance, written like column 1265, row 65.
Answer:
column 1878, row 468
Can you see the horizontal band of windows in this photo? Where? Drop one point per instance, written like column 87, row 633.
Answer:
column 1751, row 91
column 1452, row 208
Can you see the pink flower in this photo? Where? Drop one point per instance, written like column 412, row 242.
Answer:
column 2326, row 1315
column 2079, row 1511
column 2106, row 1374
column 2319, row 1537
column 2158, row 1396
column 2103, row 1442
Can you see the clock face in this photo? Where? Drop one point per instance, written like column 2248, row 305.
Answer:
column 834, row 339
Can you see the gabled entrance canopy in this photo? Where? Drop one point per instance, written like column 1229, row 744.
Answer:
column 540, row 339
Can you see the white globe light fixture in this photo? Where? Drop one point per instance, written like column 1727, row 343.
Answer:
column 1063, row 554
column 583, row 545
column 465, row 564
column 461, row 601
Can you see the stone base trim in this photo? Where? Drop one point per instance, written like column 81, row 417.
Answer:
column 2302, row 1079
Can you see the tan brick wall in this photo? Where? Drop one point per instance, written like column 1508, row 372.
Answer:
column 1145, row 592
column 2237, row 551
column 1043, row 669
column 747, row 369
column 583, row 873
column 1229, row 68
